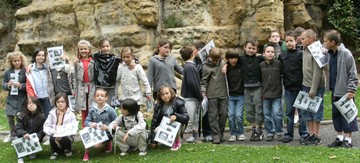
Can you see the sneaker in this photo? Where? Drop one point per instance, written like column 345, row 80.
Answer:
column 142, row 153
column 53, row 156
column 241, row 137
column 313, row 140
column 123, row 153
column 317, row 140
column 86, row 156
column 232, row 138
column 108, row 147
column 216, row 141
column 303, row 140
column 336, row 143
column 47, row 142
column 346, row 144
column 32, row 156
column 259, row 135
column 270, row 138
column 191, row 139
column 8, row 139
column 252, row 138
column 176, row 146
column 286, row 140
column 296, row 118
column 279, row 137
column 208, row 138
column 67, row 152
column 20, row 160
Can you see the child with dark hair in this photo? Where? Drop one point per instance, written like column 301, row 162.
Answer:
column 236, row 101
column 102, row 112
column 58, row 116
column 275, row 40
column 191, row 91
column 171, row 106
column 342, row 77
column 132, row 128
column 30, row 120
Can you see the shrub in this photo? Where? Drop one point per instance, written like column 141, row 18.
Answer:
column 173, row 21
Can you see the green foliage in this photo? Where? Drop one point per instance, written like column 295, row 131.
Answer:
column 173, row 21
column 345, row 16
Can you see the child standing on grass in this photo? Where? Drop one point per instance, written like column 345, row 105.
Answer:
column 271, row 94
column 84, row 80
column 171, row 106
column 236, row 101
column 130, row 79
column 58, row 116
column 291, row 69
column 132, row 132
column 29, row 121
column 313, row 83
column 162, row 67
column 191, row 91
column 17, row 94
column 213, row 86
column 102, row 112
column 342, row 77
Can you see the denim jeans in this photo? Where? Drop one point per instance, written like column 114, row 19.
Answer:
column 45, row 104
column 273, row 116
column 290, row 97
column 236, row 114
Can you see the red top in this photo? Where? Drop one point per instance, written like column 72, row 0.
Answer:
column 86, row 62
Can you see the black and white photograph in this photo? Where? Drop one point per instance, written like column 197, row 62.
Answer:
column 347, row 108
column 204, row 52
column 304, row 102
column 26, row 147
column 71, row 100
column 166, row 132
column 14, row 78
column 54, row 55
column 316, row 49
column 92, row 136
column 66, row 129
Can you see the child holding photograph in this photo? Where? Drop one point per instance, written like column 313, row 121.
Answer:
column 191, row 92
column 58, row 116
column 84, row 79
column 102, row 112
column 342, row 77
column 130, row 79
column 29, row 121
column 132, row 132
column 14, row 101
column 171, row 106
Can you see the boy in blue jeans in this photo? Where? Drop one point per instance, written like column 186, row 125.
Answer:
column 342, row 77
column 291, row 69
column 213, row 85
column 236, row 96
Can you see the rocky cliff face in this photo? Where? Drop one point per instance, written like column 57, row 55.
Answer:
column 140, row 23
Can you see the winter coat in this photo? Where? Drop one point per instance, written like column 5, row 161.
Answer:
column 80, row 86
column 51, row 121
column 28, row 123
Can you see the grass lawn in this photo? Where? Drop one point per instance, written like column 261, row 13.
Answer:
column 205, row 152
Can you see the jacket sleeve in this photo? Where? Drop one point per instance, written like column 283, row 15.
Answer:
column 118, row 81
column 117, row 121
column 181, row 114
column 150, row 72
column 6, row 79
column 29, row 88
column 352, row 76
column 48, row 125
column 194, row 82
column 206, row 75
column 178, row 68
column 144, row 81
column 19, row 128
column 41, row 133
column 140, row 126
column 154, row 123
column 89, row 119
column 71, row 76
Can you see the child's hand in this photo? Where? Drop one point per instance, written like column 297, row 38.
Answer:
column 148, row 97
column 350, row 95
column 27, row 136
column 93, row 125
column 224, row 69
column 132, row 64
column 125, row 137
column 104, row 127
column 114, row 126
column 172, row 118
column 10, row 83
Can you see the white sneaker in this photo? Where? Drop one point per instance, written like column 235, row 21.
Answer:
column 53, row 156
column 47, row 142
column 20, row 160
column 8, row 139
column 208, row 138
column 296, row 118
column 241, row 137
column 232, row 138
column 124, row 154
column 67, row 152
column 142, row 153
column 191, row 140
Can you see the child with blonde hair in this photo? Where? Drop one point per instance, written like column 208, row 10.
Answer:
column 14, row 81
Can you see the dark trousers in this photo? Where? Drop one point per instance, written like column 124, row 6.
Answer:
column 65, row 143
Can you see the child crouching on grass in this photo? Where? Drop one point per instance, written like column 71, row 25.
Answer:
column 102, row 112
column 170, row 106
column 132, row 132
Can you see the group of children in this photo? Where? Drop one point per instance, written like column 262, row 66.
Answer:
column 255, row 82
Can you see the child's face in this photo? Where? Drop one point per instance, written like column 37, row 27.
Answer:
column 84, row 51
column 214, row 61
column 306, row 41
column 269, row 53
column 274, row 38
column 250, row 49
column 16, row 62
column 328, row 44
column 106, row 47
column 124, row 112
column 164, row 50
column 166, row 95
column 195, row 52
column 127, row 57
column 100, row 97
column 233, row 61
column 290, row 42
column 61, row 104
column 31, row 106
column 40, row 57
